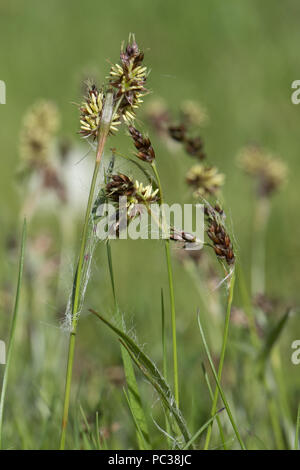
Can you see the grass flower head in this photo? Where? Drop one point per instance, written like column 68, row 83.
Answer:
column 218, row 234
column 91, row 113
column 128, row 78
column 205, row 180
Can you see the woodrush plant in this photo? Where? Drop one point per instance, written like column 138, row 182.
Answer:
column 121, row 185
column 207, row 181
column 101, row 115
column 101, row 112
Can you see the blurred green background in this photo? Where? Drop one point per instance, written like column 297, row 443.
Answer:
column 238, row 59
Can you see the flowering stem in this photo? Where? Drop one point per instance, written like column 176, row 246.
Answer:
column 103, row 133
column 222, row 357
column 171, row 291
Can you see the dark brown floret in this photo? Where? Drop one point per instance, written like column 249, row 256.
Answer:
column 118, row 186
column 194, row 147
column 143, row 145
column 217, row 233
column 178, row 133
column 131, row 54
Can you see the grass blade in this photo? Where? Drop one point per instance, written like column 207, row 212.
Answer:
column 222, row 355
column 150, row 371
column 13, row 328
column 138, row 429
column 212, row 399
column 201, row 430
column 91, row 441
column 167, row 400
column 164, row 352
column 98, row 432
column 163, row 337
column 219, row 386
column 136, row 405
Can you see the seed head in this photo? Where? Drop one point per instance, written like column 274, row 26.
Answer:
column 128, row 78
column 269, row 171
column 218, row 234
column 205, row 180
column 118, row 186
column 143, row 145
column 122, row 186
column 91, row 112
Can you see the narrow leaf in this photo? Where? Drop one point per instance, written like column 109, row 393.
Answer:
column 13, row 328
column 151, row 372
column 230, row 416
column 201, row 430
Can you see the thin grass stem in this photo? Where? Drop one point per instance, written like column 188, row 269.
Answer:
column 13, row 329
column 218, row 383
column 171, row 292
column 103, row 134
column 222, row 356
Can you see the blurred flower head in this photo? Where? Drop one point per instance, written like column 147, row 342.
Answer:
column 270, row 172
column 205, row 180
column 39, row 125
column 193, row 113
column 158, row 114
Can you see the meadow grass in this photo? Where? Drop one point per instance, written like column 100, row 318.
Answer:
column 247, row 366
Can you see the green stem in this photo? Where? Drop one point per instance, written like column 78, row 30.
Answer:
column 222, row 357
column 218, row 383
column 103, row 133
column 171, row 291
column 217, row 416
column 12, row 330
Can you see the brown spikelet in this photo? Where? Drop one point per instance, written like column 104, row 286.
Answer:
column 118, row 186
column 143, row 145
column 218, row 234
